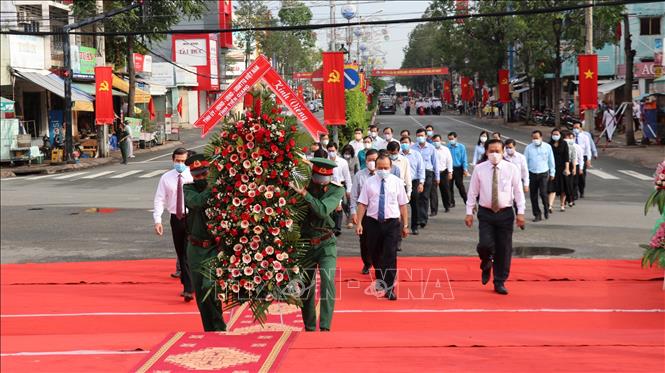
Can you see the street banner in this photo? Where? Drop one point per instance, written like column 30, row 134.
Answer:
column 334, row 102
column 486, row 95
column 302, row 75
column 588, row 70
column 363, row 83
column 151, row 109
column 103, row 95
column 317, row 79
column 179, row 107
column 466, row 88
column 257, row 71
column 447, row 93
column 411, row 72
column 504, row 86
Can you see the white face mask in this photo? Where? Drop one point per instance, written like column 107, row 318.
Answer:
column 495, row 158
column 371, row 165
column 510, row 151
column 368, row 145
column 374, row 134
column 537, row 142
column 332, row 154
column 388, row 136
column 324, row 142
column 483, row 138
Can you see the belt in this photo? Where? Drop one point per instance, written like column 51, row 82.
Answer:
column 499, row 211
column 204, row 244
column 317, row 240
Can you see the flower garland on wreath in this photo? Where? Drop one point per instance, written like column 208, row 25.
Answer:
column 654, row 252
column 254, row 216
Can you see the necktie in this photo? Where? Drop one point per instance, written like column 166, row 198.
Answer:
column 577, row 140
column 382, row 202
column 495, row 190
column 179, row 213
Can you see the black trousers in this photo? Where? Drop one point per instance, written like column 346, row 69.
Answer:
column 179, row 233
column 581, row 179
column 382, row 241
column 364, row 249
column 575, row 179
column 444, row 189
column 458, row 181
column 423, row 198
column 413, row 202
column 538, row 188
column 495, row 240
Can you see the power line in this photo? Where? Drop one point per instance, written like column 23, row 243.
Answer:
column 341, row 25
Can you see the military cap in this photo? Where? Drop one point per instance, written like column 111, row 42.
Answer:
column 322, row 166
column 197, row 164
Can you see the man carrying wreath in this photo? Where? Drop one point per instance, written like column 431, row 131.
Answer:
column 322, row 197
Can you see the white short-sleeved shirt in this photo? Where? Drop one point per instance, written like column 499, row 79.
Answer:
column 394, row 194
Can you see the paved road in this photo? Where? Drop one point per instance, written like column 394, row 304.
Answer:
column 58, row 217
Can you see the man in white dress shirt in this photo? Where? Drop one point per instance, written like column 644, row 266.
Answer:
column 169, row 196
column 357, row 142
column 496, row 184
column 513, row 156
column 445, row 160
column 583, row 139
column 383, row 198
column 342, row 176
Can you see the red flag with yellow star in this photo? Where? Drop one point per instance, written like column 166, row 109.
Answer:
column 466, row 96
column 588, row 67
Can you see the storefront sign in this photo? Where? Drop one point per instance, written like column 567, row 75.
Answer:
column 185, row 77
column 26, row 51
column 163, row 74
column 644, row 70
column 235, row 68
column 302, row 75
column 214, row 67
column 199, row 51
column 192, row 52
column 84, row 60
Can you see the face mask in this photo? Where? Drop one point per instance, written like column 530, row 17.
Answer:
column 368, row 145
column 321, row 179
column 537, row 142
column 404, row 147
column 437, row 144
column 374, row 134
column 556, row 137
column 179, row 167
column 576, row 130
column 347, row 156
column 570, row 141
column 324, row 142
column 495, row 158
column 483, row 138
column 388, row 136
column 430, row 133
column 371, row 165
column 510, row 151
column 383, row 173
column 332, row 154
column 393, row 157
column 359, row 137
column 452, row 142
column 421, row 139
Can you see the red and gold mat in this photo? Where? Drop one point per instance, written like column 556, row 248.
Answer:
column 219, row 352
column 281, row 317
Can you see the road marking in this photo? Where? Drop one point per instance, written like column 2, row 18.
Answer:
column 73, row 352
column 636, row 175
column 417, row 122
column 125, row 174
column 40, row 177
column 69, row 176
column 152, row 174
column 169, row 154
column 602, row 175
column 94, row 176
column 480, row 128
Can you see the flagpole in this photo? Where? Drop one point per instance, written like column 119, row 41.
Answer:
column 588, row 21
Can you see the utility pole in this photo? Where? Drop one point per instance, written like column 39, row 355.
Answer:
column 332, row 47
column 103, row 130
column 588, row 49
column 628, row 87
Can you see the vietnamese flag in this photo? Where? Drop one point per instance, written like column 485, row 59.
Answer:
column 447, row 94
column 334, row 102
column 179, row 107
column 588, row 71
column 504, row 86
column 465, row 88
column 151, row 109
column 486, row 96
column 104, row 95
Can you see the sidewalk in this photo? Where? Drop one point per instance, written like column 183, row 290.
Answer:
column 646, row 156
column 84, row 163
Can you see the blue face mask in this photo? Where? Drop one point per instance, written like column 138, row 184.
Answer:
column 383, row 173
column 404, row 147
column 576, row 130
column 556, row 137
column 421, row 139
column 179, row 167
column 430, row 133
column 452, row 142
column 437, row 144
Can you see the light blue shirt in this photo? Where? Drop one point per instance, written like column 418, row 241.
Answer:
column 540, row 159
column 458, row 151
column 428, row 153
column 417, row 165
column 478, row 153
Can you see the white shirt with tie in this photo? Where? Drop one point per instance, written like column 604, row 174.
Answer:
column 341, row 173
column 509, row 187
column 394, row 196
column 166, row 195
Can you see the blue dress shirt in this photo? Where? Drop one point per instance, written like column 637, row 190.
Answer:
column 540, row 159
column 458, row 151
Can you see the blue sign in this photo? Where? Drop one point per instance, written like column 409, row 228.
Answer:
column 659, row 44
column 351, row 78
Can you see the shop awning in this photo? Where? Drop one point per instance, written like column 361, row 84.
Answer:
column 140, row 96
column 54, row 84
column 89, row 88
column 611, row 86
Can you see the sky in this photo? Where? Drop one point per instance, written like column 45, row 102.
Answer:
column 376, row 10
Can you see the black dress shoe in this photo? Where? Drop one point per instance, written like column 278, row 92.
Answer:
column 390, row 295
column 365, row 270
column 537, row 219
column 422, row 225
column 325, row 329
column 499, row 288
column 452, row 205
column 188, row 296
column 175, row 274
column 414, row 232
column 487, row 271
column 447, row 209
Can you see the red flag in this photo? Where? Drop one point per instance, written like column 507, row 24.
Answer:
column 103, row 95
column 465, row 88
column 486, row 96
column 334, row 102
column 588, row 68
column 617, row 32
column 179, row 107
column 151, row 109
column 300, row 92
column 504, row 86
column 447, row 94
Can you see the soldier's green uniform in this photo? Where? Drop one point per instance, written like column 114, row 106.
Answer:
column 201, row 246
column 318, row 227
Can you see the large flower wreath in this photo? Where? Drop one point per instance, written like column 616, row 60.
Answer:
column 254, row 215
column 654, row 252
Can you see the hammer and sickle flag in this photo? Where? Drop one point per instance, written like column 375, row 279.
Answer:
column 334, row 102
column 504, row 86
column 103, row 95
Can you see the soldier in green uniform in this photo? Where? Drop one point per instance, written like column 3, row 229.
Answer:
column 200, row 245
column 322, row 197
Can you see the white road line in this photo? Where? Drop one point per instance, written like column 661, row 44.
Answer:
column 94, row 176
column 636, row 175
column 73, row 352
column 152, row 174
column 169, row 154
column 602, row 175
column 69, row 176
column 125, row 174
column 417, row 122
column 409, row 310
column 40, row 177
column 481, row 128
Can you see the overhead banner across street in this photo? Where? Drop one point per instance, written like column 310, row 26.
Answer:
column 411, row 72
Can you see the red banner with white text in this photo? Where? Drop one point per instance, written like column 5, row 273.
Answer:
column 504, row 86
column 104, row 95
column 334, row 101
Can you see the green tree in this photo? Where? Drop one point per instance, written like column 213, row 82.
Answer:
column 252, row 13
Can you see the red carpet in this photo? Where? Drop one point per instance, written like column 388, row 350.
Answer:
column 561, row 315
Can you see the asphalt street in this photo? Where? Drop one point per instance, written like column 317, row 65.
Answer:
column 105, row 213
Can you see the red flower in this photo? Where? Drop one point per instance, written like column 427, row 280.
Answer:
column 305, row 149
column 285, row 174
